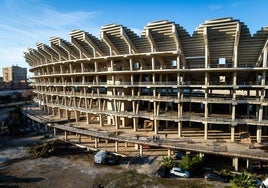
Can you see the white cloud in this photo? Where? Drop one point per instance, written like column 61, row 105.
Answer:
column 137, row 31
column 16, row 30
column 23, row 24
column 215, row 7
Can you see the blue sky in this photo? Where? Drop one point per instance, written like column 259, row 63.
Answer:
column 25, row 22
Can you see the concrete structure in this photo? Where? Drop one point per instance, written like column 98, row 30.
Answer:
column 15, row 74
column 211, row 84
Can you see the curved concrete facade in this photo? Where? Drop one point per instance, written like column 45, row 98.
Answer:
column 211, row 84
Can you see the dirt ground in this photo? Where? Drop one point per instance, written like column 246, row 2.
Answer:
column 18, row 168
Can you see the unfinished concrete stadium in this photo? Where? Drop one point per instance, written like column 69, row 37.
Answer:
column 210, row 85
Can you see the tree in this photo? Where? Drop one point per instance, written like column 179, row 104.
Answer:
column 192, row 164
column 167, row 162
column 243, row 180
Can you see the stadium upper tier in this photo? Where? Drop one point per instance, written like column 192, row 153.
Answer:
column 215, row 39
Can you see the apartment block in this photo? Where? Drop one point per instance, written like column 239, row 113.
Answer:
column 15, row 74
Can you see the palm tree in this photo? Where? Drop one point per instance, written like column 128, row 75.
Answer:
column 243, row 180
column 167, row 162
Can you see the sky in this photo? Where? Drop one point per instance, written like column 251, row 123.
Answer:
column 23, row 23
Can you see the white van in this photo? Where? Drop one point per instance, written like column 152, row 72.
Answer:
column 100, row 157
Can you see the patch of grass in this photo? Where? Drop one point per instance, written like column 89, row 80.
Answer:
column 122, row 179
column 131, row 178
column 56, row 148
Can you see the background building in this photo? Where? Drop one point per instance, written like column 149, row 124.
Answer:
column 15, row 74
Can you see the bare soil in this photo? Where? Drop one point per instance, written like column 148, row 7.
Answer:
column 64, row 165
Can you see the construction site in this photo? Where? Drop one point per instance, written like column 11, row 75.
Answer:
column 202, row 88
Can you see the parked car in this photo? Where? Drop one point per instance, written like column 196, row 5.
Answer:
column 180, row 172
column 258, row 183
column 100, row 157
column 162, row 172
column 178, row 155
column 265, row 183
column 111, row 158
column 211, row 176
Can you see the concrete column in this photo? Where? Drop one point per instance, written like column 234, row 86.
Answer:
column 77, row 116
column 234, row 78
column 169, row 152
column 179, row 128
column 53, row 111
column 156, row 125
column 206, row 110
column 260, row 113
column 201, row 155
column 232, row 133
column 45, row 127
column 259, row 133
column 101, row 120
column 88, row 118
column 55, row 131
column 38, row 126
column 48, row 110
column 235, row 163
column 135, row 124
column 117, row 121
column 233, row 112
column 206, row 130
column 65, row 135
column 33, row 124
column 126, row 144
column 116, row 146
column 96, row 142
column 68, row 115
column 60, row 113
column 141, row 150
column 249, row 163
column 106, row 142
column 79, row 138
